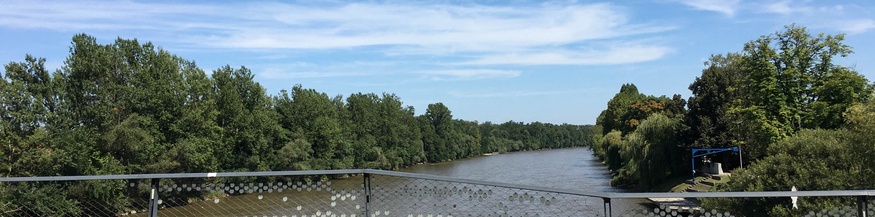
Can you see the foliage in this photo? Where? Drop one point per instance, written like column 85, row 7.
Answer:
column 650, row 153
column 644, row 147
column 799, row 119
column 810, row 160
column 130, row 107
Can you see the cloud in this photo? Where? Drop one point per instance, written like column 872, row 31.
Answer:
column 851, row 19
column 286, row 74
column 781, row 7
column 419, row 28
column 796, row 8
column 303, row 70
column 611, row 56
column 856, row 26
column 470, row 74
column 464, row 28
column 121, row 15
column 513, row 93
column 726, row 7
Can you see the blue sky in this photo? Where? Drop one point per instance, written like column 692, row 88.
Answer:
column 555, row 62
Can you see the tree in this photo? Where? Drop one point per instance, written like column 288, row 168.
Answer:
column 784, row 78
column 651, row 153
column 249, row 126
column 612, row 117
column 836, row 92
column 437, row 124
column 810, row 160
column 130, row 107
column 712, row 94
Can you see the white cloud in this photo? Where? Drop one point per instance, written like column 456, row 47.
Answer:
column 468, row 31
column 273, row 73
column 470, row 74
column 794, row 8
column 781, row 7
column 616, row 55
column 513, row 93
column 471, row 28
column 726, row 7
column 304, row 70
column 852, row 19
column 856, row 26
column 122, row 15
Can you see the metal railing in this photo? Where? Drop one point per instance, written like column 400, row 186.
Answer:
column 348, row 193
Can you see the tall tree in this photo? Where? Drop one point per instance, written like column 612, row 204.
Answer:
column 713, row 92
column 612, row 117
column 249, row 127
column 784, row 77
column 437, row 124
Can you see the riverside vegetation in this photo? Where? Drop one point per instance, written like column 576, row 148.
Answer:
column 800, row 119
column 129, row 108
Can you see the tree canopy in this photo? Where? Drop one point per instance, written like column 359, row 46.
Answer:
column 800, row 119
column 130, row 107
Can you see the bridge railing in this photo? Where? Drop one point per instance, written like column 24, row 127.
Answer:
column 350, row 193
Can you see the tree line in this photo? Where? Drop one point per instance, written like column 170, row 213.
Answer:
column 800, row 119
column 130, row 108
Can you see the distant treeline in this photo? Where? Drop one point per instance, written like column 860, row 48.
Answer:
column 800, row 119
column 126, row 108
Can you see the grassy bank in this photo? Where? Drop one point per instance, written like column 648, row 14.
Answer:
column 683, row 184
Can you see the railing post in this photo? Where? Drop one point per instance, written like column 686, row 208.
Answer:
column 367, row 185
column 153, row 198
column 862, row 206
column 607, row 204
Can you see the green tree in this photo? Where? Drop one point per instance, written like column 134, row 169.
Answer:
column 811, row 159
column 835, row 92
column 131, row 107
column 612, row 118
column 437, row 124
column 651, row 153
column 249, row 127
column 713, row 92
column 314, row 115
column 785, row 77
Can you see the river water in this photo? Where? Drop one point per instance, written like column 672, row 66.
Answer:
column 572, row 168
column 569, row 168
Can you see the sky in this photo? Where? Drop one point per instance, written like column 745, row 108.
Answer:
column 525, row 61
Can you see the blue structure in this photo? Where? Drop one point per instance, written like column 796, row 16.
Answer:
column 710, row 151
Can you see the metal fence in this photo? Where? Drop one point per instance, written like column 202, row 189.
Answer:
column 350, row 193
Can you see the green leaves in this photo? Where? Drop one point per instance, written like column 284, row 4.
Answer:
column 794, row 113
column 810, row 160
column 129, row 107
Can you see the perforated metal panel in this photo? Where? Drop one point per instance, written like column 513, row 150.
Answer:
column 365, row 193
column 283, row 196
column 403, row 196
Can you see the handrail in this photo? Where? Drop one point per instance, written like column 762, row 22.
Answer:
column 487, row 183
column 179, row 175
column 836, row 193
column 605, row 195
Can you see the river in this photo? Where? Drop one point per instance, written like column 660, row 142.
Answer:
column 571, row 168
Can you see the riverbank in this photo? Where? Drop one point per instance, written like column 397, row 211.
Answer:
column 702, row 183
